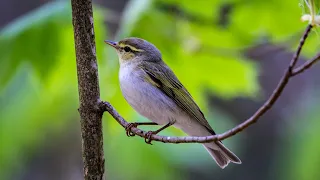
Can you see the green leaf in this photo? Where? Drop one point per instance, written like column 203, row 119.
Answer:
column 134, row 9
column 34, row 38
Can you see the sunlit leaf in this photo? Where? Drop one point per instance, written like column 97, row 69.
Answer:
column 36, row 36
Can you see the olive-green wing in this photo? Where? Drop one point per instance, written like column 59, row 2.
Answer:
column 162, row 77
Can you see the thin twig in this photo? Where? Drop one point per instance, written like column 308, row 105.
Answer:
column 306, row 65
column 290, row 72
column 297, row 54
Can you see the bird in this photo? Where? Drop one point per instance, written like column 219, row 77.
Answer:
column 153, row 90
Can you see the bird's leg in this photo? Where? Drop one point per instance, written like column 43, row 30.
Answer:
column 150, row 133
column 136, row 124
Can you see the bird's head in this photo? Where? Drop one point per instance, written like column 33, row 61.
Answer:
column 135, row 50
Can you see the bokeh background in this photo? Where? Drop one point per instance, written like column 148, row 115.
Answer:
column 229, row 55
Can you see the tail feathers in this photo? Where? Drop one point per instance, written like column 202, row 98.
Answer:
column 223, row 155
column 233, row 158
column 220, row 159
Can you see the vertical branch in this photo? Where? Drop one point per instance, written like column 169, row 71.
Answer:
column 89, row 93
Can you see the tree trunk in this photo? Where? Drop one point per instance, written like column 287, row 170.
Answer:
column 89, row 93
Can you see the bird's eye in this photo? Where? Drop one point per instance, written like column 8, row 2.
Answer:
column 127, row 49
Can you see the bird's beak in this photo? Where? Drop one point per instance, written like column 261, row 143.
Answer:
column 111, row 43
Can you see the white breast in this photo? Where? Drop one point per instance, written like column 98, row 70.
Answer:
column 147, row 100
column 151, row 103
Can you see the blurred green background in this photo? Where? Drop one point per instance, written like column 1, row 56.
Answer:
column 229, row 55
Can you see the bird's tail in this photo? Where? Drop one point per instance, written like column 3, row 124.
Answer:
column 222, row 155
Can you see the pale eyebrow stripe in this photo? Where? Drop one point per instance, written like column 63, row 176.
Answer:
column 133, row 48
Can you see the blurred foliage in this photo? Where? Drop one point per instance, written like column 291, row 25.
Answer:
column 300, row 149
column 204, row 48
column 38, row 60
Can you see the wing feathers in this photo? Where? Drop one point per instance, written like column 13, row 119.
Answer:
column 167, row 82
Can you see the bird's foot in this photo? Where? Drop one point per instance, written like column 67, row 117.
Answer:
column 129, row 133
column 148, row 135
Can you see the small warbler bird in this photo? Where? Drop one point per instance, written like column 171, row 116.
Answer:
column 154, row 91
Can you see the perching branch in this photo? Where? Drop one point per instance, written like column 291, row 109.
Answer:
column 289, row 73
column 89, row 93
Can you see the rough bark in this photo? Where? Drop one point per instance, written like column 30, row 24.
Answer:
column 88, row 85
